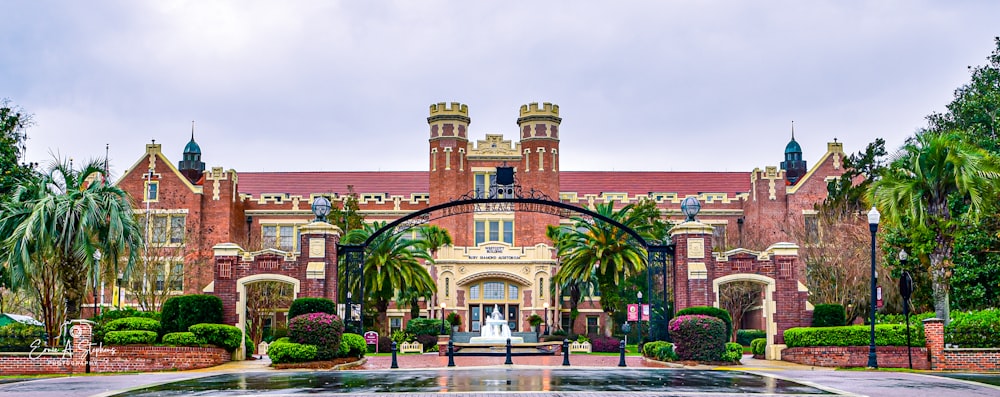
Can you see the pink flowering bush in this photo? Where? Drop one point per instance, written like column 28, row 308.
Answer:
column 698, row 337
column 319, row 329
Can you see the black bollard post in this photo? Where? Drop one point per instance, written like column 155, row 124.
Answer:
column 451, row 353
column 394, row 364
column 565, row 352
column 509, row 361
column 621, row 350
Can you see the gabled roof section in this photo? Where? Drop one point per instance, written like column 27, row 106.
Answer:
column 147, row 162
column 833, row 149
column 306, row 183
column 643, row 182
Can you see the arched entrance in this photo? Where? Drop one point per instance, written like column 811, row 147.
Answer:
column 489, row 291
column 767, row 303
column 242, row 297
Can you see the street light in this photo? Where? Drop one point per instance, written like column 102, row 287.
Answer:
column 873, row 217
column 546, row 319
column 97, row 277
column 321, row 208
column 443, row 306
column 690, row 207
column 639, row 323
column 349, row 313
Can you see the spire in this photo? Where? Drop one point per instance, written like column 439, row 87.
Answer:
column 192, row 131
column 793, row 130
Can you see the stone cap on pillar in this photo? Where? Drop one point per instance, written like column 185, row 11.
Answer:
column 227, row 249
column 320, row 228
column 786, row 249
column 691, row 227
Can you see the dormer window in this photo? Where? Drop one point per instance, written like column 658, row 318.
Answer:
column 152, row 191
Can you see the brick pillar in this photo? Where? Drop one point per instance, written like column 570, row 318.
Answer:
column 934, row 332
column 81, row 331
column 694, row 265
column 318, row 256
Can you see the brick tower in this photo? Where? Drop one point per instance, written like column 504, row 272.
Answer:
column 538, row 127
column 450, row 176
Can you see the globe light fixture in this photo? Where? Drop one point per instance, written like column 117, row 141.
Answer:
column 690, row 207
column 321, row 208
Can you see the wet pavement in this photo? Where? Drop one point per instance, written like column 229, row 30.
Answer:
column 590, row 375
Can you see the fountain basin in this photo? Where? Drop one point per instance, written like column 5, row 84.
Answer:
column 482, row 340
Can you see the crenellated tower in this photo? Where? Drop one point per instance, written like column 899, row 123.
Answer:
column 538, row 127
column 450, row 175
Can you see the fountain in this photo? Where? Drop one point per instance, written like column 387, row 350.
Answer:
column 495, row 331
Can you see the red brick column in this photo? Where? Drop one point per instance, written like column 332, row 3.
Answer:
column 82, row 333
column 934, row 332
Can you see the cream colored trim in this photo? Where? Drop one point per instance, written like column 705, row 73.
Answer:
column 770, row 307
column 154, row 150
column 316, row 270
column 241, row 302
column 832, row 149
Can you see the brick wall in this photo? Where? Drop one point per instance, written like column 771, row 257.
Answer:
column 856, row 356
column 950, row 359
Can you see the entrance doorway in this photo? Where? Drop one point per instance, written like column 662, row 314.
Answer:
column 487, row 295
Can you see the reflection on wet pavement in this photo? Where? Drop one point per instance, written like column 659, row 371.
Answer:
column 479, row 380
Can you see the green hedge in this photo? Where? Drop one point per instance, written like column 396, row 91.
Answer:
column 718, row 313
column 130, row 338
column 352, row 345
column 132, row 324
column 733, row 352
column 980, row 329
column 853, row 335
column 745, row 336
column 666, row 352
column 829, row 315
column 224, row 336
column 425, row 326
column 302, row 306
column 758, row 346
column 283, row 351
column 19, row 337
column 182, row 339
column 181, row 312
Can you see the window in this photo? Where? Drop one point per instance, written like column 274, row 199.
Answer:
column 282, row 237
column 163, row 228
column 541, row 287
column 512, row 295
column 176, row 229
column 395, row 323
column 447, row 287
column 812, row 228
column 718, row 237
column 474, row 292
column 565, row 322
column 494, row 231
column 483, row 181
column 152, row 191
column 493, row 290
column 170, row 275
column 159, row 229
column 592, row 327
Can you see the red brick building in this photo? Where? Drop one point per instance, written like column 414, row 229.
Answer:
column 499, row 259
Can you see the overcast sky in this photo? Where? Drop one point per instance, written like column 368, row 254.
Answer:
column 325, row 85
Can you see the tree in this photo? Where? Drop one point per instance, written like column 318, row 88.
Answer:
column 76, row 214
column 392, row 264
column 13, row 122
column 432, row 238
column 264, row 299
column 917, row 190
column 975, row 111
column 738, row 298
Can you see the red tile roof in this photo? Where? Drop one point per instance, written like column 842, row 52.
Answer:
column 407, row 182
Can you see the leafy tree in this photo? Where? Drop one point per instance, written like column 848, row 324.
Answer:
column 392, row 264
column 975, row 111
column 13, row 122
column 62, row 225
column 915, row 193
column 264, row 298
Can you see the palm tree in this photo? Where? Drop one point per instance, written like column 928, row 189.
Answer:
column 595, row 249
column 392, row 264
column 933, row 171
column 74, row 213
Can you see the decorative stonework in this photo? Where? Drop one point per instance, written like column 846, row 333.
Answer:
column 494, row 146
column 696, row 248
column 317, row 248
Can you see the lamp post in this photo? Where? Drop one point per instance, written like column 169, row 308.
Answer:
column 873, row 217
column 349, row 313
column 690, row 207
column 443, row 306
column 321, row 208
column 97, row 276
column 121, row 279
column 639, row 323
column 905, row 289
column 545, row 321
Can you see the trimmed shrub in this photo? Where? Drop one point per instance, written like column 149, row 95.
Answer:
column 718, row 313
column 745, row 336
column 320, row 329
column 384, row 345
column 733, row 352
column 181, row 312
column 604, row 344
column 898, row 318
column 425, row 326
column 352, row 345
column 853, row 335
column 248, row 347
column 16, row 337
column 829, row 315
column 302, row 306
column 430, row 342
column 980, row 329
column 182, row 339
column 222, row 335
column 650, row 348
column 132, row 324
column 757, row 346
column 112, row 315
column 666, row 353
column 130, row 338
column 284, row 351
column 698, row 337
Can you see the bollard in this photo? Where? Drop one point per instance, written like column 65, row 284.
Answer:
column 451, row 353
column 565, row 352
column 621, row 351
column 395, row 365
column 509, row 361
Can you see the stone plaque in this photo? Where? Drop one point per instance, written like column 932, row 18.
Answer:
column 317, row 248
column 696, row 248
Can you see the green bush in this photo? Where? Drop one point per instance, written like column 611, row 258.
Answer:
column 424, row 326
column 757, row 346
column 853, row 335
column 829, row 315
column 979, row 329
column 182, row 339
column 718, row 313
column 132, row 324
column 733, row 352
column 319, row 329
column 181, row 312
column 698, row 337
column 302, row 306
column 222, row 335
column 111, row 315
column 454, row 319
column 283, row 351
column 248, row 347
column 650, row 348
column 745, row 336
column 899, row 318
column 352, row 345
column 19, row 337
column 130, row 338
column 666, row 352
